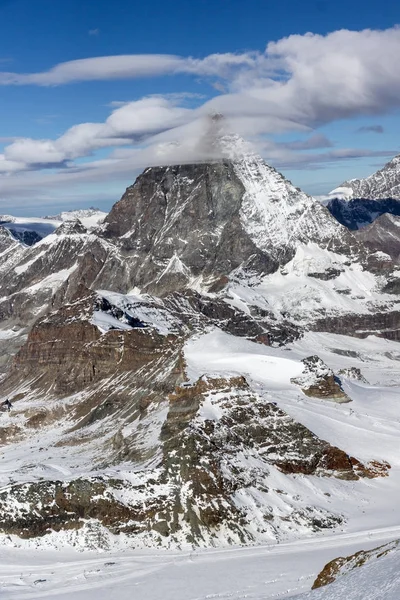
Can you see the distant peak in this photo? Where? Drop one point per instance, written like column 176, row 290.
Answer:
column 70, row 227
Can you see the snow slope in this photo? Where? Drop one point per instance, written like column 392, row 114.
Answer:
column 367, row 428
column 260, row 573
column 275, row 214
column 301, row 290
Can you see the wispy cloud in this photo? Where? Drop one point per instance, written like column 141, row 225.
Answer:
column 132, row 66
column 94, row 32
column 370, row 129
column 298, row 84
column 305, row 79
column 34, row 188
column 315, row 141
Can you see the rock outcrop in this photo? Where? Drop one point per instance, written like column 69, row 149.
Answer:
column 381, row 324
column 319, row 381
column 66, row 351
column 344, row 564
column 383, row 235
column 352, row 373
column 218, row 443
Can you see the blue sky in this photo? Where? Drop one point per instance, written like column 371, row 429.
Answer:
column 321, row 108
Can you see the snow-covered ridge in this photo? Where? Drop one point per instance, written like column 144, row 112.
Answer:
column 383, row 184
column 274, row 213
column 44, row 226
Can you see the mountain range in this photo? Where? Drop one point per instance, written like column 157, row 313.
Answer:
column 30, row 230
column 214, row 363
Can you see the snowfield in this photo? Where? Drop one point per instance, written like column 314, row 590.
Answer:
column 259, row 573
column 368, row 428
column 297, row 290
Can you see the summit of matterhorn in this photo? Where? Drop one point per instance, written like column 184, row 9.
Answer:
column 217, row 216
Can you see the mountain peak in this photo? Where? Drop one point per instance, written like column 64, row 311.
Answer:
column 215, row 217
column 381, row 185
column 71, row 227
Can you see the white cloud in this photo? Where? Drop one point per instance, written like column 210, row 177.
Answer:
column 33, row 152
column 145, row 116
column 301, row 80
column 101, row 68
column 304, row 78
column 131, row 66
column 127, row 123
column 297, row 84
column 337, row 75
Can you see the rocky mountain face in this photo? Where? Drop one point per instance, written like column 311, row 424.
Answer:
column 383, row 235
column 96, row 324
column 381, row 185
column 193, row 225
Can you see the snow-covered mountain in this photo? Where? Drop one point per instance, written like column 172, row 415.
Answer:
column 358, row 202
column 193, row 371
column 199, row 223
column 30, row 230
column 381, row 185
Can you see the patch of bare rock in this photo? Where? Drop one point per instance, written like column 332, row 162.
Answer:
column 342, row 565
column 319, row 381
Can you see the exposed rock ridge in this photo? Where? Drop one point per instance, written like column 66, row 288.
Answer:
column 219, row 442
